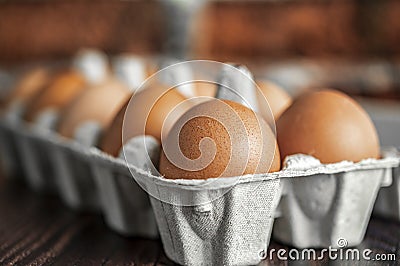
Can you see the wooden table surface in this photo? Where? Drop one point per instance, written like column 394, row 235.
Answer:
column 39, row 230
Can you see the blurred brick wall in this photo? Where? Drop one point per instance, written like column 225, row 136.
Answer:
column 57, row 28
column 257, row 29
column 227, row 30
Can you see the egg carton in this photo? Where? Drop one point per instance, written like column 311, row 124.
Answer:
column 36, row 156
column 318, row 206
column 388, row 201
column 8, row 142
column 387, row 123
column 84, row 177
column 74, row 178
column 202, row 222
column 233, row 229
column 75, row 182
column 48, row 163
column 126, row 206
column 88, row 179
column 9, row 152
column 332, row 205
column 313, row 205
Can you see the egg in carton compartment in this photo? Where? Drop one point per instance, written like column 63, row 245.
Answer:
column 330, row 204
column 234, row 228
column 214, row 221
column 32, row 154
column 232, row 224
column 76, row 180
column 89, row 179
column 86, row 178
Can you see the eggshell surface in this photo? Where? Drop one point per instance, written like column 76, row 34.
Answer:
column 62, row 89
column 99, row 104
column 140, row 119
column 328, row 125
column 243, row 143
column 278, row 100
column 31, row 83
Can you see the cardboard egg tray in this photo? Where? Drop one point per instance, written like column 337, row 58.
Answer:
column 307, row 204
column 387, row 122
column 388, row 201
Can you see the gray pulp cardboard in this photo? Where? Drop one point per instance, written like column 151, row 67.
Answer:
column 328, row 207
column 320, row 204
column 130, row 69
column 75, row 179
column 232, row 230
column 237, row 88
column 8, row 143
column 388, row 200
column 126, row 205
column 385, row 115
column 9, row 156
column 179, row 74
column 35, row 160
column 332, row 204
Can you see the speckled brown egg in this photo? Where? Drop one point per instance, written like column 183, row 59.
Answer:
column 136, row 123
column 243, row 143
column 62, row 89
column 98, row 103
column 278, row 99
column 328, row 125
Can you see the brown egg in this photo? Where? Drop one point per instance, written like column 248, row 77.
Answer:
column 278, row 99
column 233, row 128
column 98, row 103
column 205, row 89
column 111, row 140
column 142, row 101
column 64, row 87
column 328, row 125
column 29, row 85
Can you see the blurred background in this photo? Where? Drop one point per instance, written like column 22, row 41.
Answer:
column 333, row 34
column 350, row 45
column 221, row 30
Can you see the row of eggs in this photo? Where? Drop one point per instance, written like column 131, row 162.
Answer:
column 326, row 124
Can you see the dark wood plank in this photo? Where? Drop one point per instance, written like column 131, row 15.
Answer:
column 38, row 229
